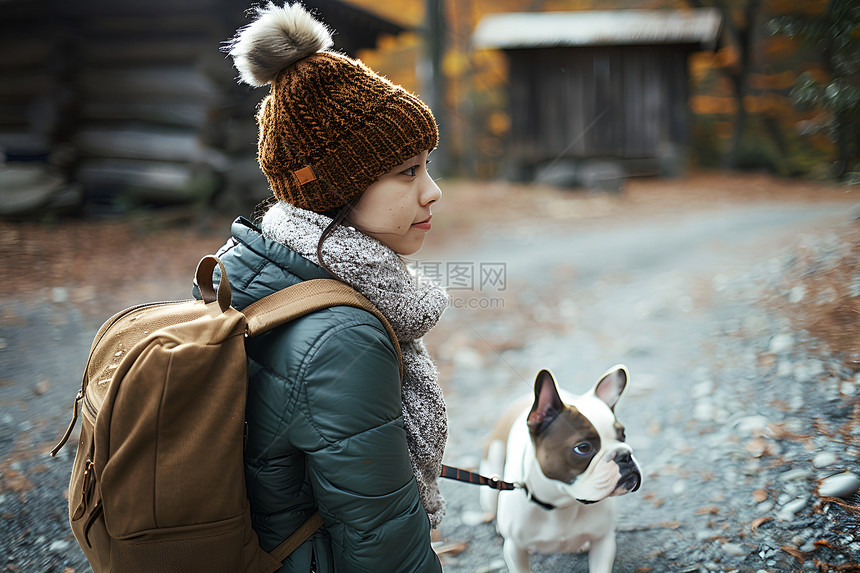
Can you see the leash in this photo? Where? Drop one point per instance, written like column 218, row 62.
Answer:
column 493, row 482
column 478, row 479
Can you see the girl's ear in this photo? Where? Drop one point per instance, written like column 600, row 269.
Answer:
column 547, row 404
column 612, row 385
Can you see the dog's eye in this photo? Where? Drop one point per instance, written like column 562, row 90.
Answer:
column 582, row 449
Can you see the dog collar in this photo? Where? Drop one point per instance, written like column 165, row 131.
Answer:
column 533, row 499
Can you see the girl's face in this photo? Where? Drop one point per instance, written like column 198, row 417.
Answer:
column 395, row 210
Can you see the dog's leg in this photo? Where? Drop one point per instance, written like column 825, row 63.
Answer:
column 601, row 556
column 516, row 558
column 492, row 465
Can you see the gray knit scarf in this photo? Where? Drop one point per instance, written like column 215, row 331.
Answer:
column 410, row 302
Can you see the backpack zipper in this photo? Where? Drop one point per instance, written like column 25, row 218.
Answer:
column 88, row 490
column 89, row 410
column 86, row 487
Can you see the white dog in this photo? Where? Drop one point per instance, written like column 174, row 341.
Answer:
column 571, row 459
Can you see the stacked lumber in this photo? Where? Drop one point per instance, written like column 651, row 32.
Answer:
column 244, row 186
column 33, row 108
column 147, row 100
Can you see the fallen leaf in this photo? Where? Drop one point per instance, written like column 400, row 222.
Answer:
column 642, row 570
column 712, row 509
column 451, row 548
column 797, row 553
column 780, row 432
column 670, row 524
column 843, row 568
column 759, row 495
column 759, row 521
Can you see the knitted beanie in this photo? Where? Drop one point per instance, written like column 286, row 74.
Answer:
column 330, row 126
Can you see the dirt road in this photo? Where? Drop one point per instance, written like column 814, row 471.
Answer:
column 727, row 408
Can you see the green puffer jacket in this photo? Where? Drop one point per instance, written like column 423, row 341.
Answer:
column 325, row 427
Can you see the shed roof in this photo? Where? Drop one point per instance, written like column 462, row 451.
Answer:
column 698, row 26
column 359, row 28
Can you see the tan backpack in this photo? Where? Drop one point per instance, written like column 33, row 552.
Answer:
column 158, row 483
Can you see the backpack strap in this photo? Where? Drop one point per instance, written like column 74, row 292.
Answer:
column 203, row 276
column 307, row 297
column 298, row 537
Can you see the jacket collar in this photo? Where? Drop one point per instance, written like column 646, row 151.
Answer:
column 249, row 235
column 258, row 266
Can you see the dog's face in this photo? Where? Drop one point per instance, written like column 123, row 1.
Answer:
column 581, row 444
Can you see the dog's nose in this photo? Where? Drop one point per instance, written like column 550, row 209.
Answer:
column 631, row 478
column 631, row 481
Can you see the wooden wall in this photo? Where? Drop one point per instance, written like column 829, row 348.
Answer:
column 627, row 103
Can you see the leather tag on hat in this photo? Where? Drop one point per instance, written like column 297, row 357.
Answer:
column 305, row 175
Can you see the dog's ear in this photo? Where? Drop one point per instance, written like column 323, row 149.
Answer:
column 612, row 385
column 547, row 404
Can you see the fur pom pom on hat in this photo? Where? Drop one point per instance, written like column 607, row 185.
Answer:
column 330, row 126
column 277, row 38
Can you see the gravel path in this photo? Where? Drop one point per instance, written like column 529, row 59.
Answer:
column 735, row 416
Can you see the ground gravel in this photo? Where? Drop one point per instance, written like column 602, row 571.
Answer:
column 742, row 418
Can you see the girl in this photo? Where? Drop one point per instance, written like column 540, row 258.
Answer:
column 331, row 427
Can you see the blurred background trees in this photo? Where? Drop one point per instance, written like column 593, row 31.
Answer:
column 835, row 36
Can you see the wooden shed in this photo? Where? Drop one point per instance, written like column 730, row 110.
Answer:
column 598, row 90
column 114, row 103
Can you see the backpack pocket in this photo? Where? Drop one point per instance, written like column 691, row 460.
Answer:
column 208, row 547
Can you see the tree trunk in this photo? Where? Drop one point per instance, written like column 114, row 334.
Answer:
column 739, row 83
column 746, row 37
column 743, row 37
column 435, row 81
column 844, row 163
